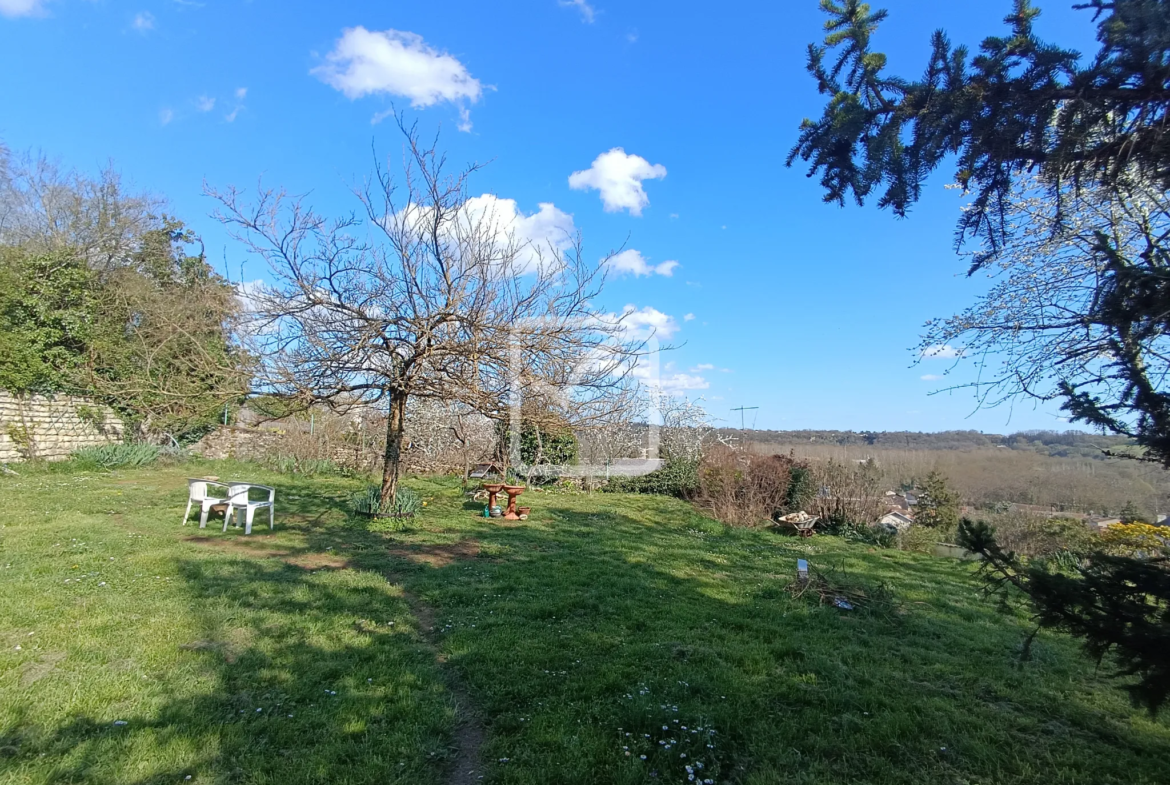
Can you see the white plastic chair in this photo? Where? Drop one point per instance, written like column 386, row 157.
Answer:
column 238, row 500
column 197, row 491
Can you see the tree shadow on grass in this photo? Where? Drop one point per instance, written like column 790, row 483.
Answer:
column 570, row 633
column 301, row 677
column 593, row 621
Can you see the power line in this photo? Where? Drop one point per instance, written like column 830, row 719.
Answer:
column 741, row 410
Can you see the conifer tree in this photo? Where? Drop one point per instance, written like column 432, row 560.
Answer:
column 1098, row 124
column 938, row 505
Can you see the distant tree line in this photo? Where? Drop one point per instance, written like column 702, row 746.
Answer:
column 1062, row 444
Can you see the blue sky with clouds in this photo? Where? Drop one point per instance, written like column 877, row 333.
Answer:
column 660, row 127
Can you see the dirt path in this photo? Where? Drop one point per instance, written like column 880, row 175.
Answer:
column 466, row 768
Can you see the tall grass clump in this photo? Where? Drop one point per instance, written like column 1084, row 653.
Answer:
column 126, row 455
column 392, row 515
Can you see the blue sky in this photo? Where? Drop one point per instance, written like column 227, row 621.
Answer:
column 805, row 310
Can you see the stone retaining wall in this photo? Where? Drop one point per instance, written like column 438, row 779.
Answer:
column 51, row 427
column 266, row 444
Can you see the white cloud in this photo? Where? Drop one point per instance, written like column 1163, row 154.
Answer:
column 588, row 12
column 532, row 238
column 248, row 292
column 690, row 317
column 703, row 367
column 618, row 177
column 641, row 323
column 393, row 62
column 547, row 230
column 930, row 377
column 667, row 382
column 942, row 351
column 249, row 296
column 679, row 382
column 204, row 103
column 164, row 115
column 241, row 93
column 632, row 261
column 15, row 8
column 143, row 21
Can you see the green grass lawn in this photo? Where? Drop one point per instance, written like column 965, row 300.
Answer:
column 560, row 650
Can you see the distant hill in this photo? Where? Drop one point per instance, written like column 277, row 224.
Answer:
column 1060, row 444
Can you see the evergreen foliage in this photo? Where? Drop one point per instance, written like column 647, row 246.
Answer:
column 1021, row 105
column 938, row 505
column 547, row 444
column 1098, row 126
column 676, row 478
column 46, row 320
column 1115, row 605
column 1131, row 514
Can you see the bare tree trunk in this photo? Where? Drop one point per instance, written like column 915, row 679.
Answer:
column 392, row 457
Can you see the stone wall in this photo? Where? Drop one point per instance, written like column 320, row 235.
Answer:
column 51, row 427
column 271, row 442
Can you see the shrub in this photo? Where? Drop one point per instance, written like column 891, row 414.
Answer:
column 802, row 487
column 405, row 504
column 856, row 531
column 1038, row 536
column 120, row 456
column 742, row 488
column 919, row 539
column 676, row 478
column 1136, row 540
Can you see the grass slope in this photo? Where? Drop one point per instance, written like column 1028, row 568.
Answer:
column 605, row 625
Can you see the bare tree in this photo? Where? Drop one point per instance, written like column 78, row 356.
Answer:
column 428, row 295
column 45, row 207
column 448, row 433
column 847, row 492
column 619, row 432
column 686, row 427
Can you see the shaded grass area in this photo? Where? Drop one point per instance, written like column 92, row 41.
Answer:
column 604, row 625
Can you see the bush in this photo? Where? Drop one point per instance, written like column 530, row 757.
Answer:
column 120, row 456
column 846, row 528
column 919, row 539
column 742, row 488
column 1136, row 540
column 676, row 478
column 1038, row 536
column 405, row 504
